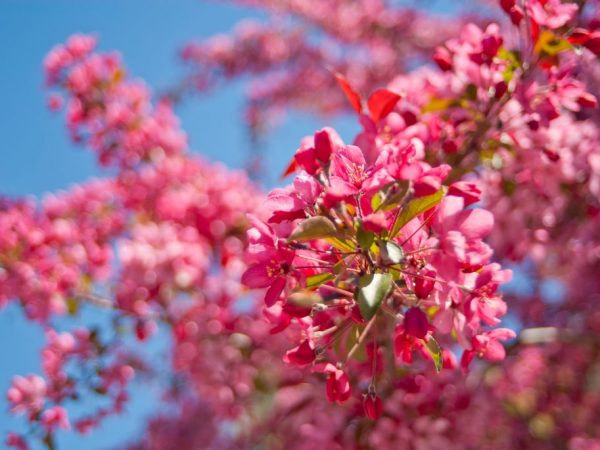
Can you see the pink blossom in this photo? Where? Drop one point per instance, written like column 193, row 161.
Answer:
column 55, row 417
column 273, row 262
column 27, row 394
column 551, row 13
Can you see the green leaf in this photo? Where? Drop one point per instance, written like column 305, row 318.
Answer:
column 352, row 337
column 436, row 353
column 414, row 208
column 377, row 201
column 390, row 252
column 339, row 267
column 304, row 299
column 365, row 238
column 551, row 44
column 341, row 244
column 72, row 306
column 317, row 227
column 471, row 92
column 438, row 104
column 372, row 289
column 314, row 281
column 392, row 200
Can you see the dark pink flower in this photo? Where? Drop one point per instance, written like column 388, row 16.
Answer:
column 487, row 345
column 338, row 383
column 273, row 258
column 302, row 355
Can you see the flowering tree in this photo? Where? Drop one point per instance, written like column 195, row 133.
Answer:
column 361, row 306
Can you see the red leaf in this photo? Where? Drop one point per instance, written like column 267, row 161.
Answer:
column 381, row 102
column 290, row 169
column 578, row 36
column 350, row 93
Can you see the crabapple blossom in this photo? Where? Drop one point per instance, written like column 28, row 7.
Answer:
column 363, row 305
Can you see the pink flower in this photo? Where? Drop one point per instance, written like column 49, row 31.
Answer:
column 401, row 163
column 470, row 192
column 16, row 441
column 349, row 175
column 406, row 343
column 338, row 384
column 55, row 417
column 302, row 355
column 486, row 303
column 27, row 394
column 431, row 180
column 273, row 258
column 313, row 153
column 461, row 232
column 290, row 203
column 551, row 13
column 347, row 172
column 487, row 345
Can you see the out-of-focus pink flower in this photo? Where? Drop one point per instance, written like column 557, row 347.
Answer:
column 55, row 417
column 27, row 394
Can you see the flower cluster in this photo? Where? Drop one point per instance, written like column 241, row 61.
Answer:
column 358, row 255
column 110, row 112
column 380, row 286
column 104, row 371
column 291, row 65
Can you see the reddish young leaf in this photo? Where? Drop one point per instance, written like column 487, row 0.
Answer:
column 290, row 169
column 381, row 103
column 578, row 36
column 350, row 93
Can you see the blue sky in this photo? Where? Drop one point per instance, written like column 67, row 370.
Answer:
column 37, row 157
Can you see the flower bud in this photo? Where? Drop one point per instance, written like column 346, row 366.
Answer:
column 373, row 406
column 416, row 323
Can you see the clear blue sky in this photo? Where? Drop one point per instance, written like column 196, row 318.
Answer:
column 36, row 156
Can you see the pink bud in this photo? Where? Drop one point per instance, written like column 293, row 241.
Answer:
column 507, row 5
column 424, row 286
column 500, row 89
column 450, row 146
column 416, row 323
column 443, row 58
column 373, row 407
column 490, row 45
column 55, row 102
column 323, row 145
